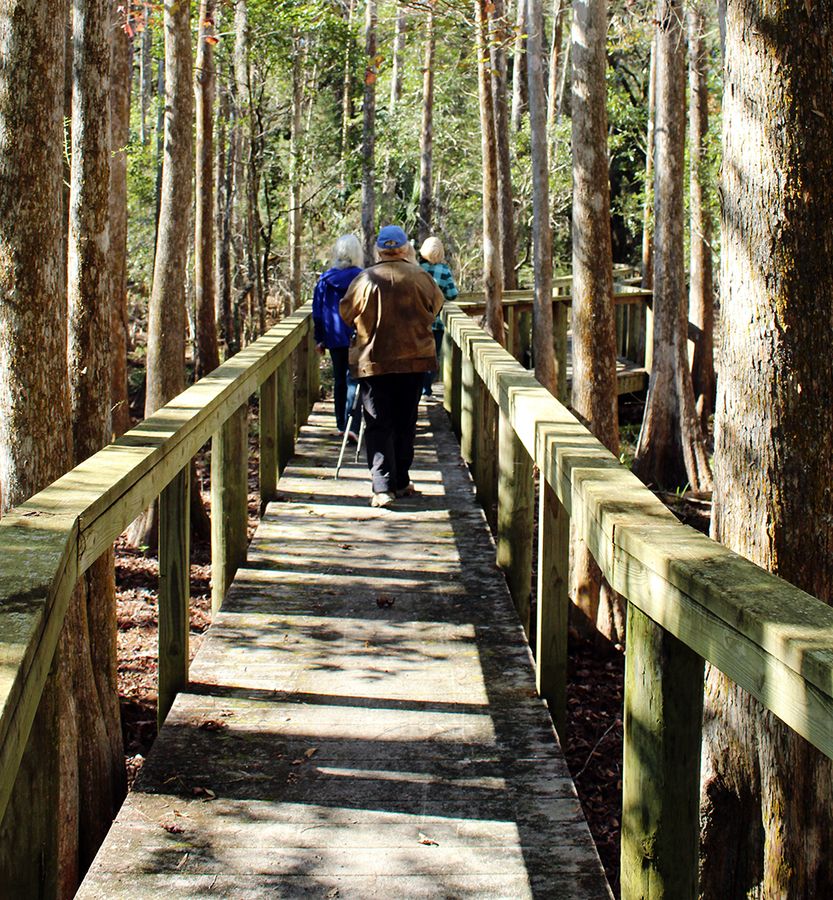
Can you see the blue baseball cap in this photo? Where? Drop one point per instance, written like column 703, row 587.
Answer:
column 391, row 237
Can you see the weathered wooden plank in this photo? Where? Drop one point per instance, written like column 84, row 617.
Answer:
column 268, row 434
column 229, row 498
column 661, row 769
column 174, row 590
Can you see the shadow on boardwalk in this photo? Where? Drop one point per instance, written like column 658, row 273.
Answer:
column 362, row 719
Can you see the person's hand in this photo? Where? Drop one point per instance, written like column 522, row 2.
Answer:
column 320, row 349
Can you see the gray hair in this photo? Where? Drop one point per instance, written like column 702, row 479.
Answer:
column 347, row 252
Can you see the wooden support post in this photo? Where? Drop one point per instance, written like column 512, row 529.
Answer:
column 286, row 414
column 636, row 333
column 525, row 340
column 268, row 440
column 314, row 372
column 229, row 503
column 515, row 517
column 301, row 385
column 446, row 361
column 485, row 455
column 512, row 337
column 174, row 590
column 553, row 604
column 661, row 775
column 468, row 413
column 649, row 338
column 456, row 387
column 620, row 329
column 559, row 340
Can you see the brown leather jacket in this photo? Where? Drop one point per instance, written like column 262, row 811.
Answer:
column 392, row 305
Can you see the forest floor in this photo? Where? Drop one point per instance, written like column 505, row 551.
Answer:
column 593, row 744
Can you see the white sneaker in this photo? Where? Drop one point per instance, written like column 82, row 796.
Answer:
column 383, row 498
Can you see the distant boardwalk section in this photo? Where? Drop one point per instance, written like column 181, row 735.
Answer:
column 362, row 719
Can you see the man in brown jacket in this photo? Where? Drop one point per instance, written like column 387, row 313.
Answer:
column 392, row 305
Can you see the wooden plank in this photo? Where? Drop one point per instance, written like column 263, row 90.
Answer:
column 455, row 388
column 268, row 432
column 229, row 498
column 468, row 413
column 302, row 385
column 553, row 604
column 314, row 384
column 447, row 371
column 174, row 590
column 661, row 769
column 485, row 456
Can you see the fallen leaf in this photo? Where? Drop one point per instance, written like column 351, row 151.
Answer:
column 332, row 892
column 424, row 839
column 311, row 752
column 172, row 827
column 384, row 601
column 204, row 792
column 213, row 725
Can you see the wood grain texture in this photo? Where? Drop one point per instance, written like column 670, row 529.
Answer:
column 362, row 717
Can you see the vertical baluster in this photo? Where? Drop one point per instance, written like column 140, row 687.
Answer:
column 286, row 414
column 174, row 590
column 268, row 429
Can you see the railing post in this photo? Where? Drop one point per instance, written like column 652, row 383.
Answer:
column 286, row 414
column 314, row 383
column 636, row 332
column 174, row 590
column 268, row 429
column 525, row 338
column 515, row 517
column 485, row 455
column 456, row 387
column 512, row 337
column 559, row 340
column 229, row 503
column 447, row 367
column 468, row 415
column 661, row 773
column 553, row 603
column 619, row 311
column 301, row 385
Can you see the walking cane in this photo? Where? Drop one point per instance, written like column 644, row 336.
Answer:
column 356, row 401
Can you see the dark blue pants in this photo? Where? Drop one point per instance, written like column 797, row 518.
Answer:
column 344, row 390
column 391, row 403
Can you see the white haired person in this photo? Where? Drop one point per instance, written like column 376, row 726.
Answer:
column 433, row 261
column 391, row 305
column 331, row 332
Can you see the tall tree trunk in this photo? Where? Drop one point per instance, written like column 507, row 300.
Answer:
column 347, row 93
column 671, row 450
column 701, row 289
column 34, row 398
column 295, row 167
column 89, row 639
column 224, row 180
column 160, row 146
column 648, row 210
column 145, row 74
column 206, row 355
column 519, row 79
column 766, row 792
column 506, row 210
column 121, row 63
column 558, row 8
column 426, row 134
column 542, row 330
column 369, row 135
column 594, row 394
column 399, row 55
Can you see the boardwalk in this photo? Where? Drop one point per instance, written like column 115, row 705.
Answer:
column 362, row 719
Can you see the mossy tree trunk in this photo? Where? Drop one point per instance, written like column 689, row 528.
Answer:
column 766, row 792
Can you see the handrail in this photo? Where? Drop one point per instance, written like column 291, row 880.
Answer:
column 49, row 541
column 771, row 638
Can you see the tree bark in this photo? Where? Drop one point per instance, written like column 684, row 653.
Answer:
column 594, row 389
column 648, row 210
column 347, row 94
column 766, row 792
column 542, row 334
column 35, row 428
column 225, row 199
column 399, row 54
column 671, row 451
column 556, row 61
column 369, row 135
column 701, row 288
column 426, row 134
column 206, row 351
column 492, row 269
column 519, row 79
column 145, row 74
column 295, row 166
column 121, row 63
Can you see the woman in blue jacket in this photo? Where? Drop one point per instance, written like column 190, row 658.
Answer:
column 330, row 331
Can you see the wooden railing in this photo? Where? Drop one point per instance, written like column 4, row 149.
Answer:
column 48, row 542
column 689, row 599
